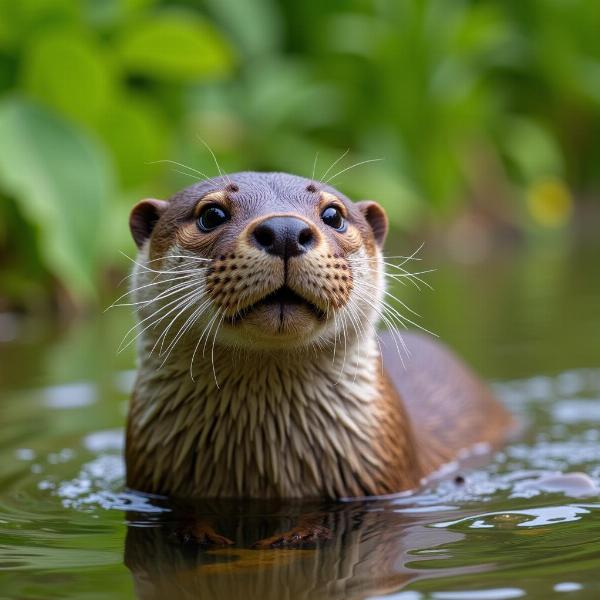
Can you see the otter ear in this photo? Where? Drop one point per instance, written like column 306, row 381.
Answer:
column 143, row 218
column 376, row 218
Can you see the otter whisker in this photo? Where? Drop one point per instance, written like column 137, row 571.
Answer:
column 350, row 323
column 406, row 272
column 359, row 325
column 404, row 318
column 155, row 323
column 188, row 323
column 186, row 285
column 146, row 267
column 412, row 277
column 359, row 333
column 210, row 324
column 183, row 282
column 327, row 308
column 336, row 336
column 184, row 173
column 397, row 337
column 167, row 271
column 333, row 165
column 405, row 259
column 415, row 280
column 410, row 257
column 184, row 256
column 390, row 319
column 181, row 269
column 402, row 257
column 212, row 351
column 163, row 336
column 204, row 332
column 215, row 159
column 345, row 334
column 359, row 312
column 410, row 274
column 399, row 279
column 391, row 324
column 116, row 303
column 366, row 320
column 174, row 162
column 395, row 298
column 178, row 302
column 393, row 319
column 208, row 334
column 314, row 165
column 185, row 304
column 358, row 164
column 193, row 174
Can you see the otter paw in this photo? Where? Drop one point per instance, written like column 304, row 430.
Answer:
column 200, row 534
column 298, row 537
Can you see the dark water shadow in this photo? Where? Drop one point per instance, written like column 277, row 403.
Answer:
column 368, row 553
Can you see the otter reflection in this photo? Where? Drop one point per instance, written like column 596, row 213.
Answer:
column 367, row 552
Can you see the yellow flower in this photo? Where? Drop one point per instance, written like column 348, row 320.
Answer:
column 549, row 202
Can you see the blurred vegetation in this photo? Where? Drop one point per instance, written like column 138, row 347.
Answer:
column 491, row 103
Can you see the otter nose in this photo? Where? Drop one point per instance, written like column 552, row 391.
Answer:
column 284, row 236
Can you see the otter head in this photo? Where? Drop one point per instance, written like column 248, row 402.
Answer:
column 258, row 260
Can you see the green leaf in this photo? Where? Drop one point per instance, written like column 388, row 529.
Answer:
column 62, row 182
column 67, row 72
column 531, row 149
column 175, row 47
column 21, row 21
column 134, row 132
column 255, row 25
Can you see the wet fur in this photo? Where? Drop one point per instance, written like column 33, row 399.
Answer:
column 222, row 407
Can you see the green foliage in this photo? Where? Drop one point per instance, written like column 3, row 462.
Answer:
column 60, row 179
column 453, row 96
column 174, row 48
column 68, row 73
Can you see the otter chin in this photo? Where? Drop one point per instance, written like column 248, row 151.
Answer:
column 281, row 316
column 261, row 369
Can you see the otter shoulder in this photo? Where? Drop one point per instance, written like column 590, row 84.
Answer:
column 449, row 406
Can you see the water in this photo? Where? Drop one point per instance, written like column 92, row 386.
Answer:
column 510, row 527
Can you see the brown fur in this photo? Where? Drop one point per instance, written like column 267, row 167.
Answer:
column 292, row 401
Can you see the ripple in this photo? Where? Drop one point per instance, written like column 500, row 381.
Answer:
column 567, row 586
column 531, row 517
column 103, row 441
column 521, row 496
column 70, row 395
column 577, row 411
column 494, row 594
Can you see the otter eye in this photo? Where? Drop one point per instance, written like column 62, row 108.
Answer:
column 211, row 217
column 333, row 217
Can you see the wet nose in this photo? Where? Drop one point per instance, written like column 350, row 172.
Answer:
column 284, row 236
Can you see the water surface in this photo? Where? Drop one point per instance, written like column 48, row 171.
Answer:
column 506, row 528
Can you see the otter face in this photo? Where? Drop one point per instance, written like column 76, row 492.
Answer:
column 261, row 260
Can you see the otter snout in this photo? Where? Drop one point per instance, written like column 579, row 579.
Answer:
column 284, row 236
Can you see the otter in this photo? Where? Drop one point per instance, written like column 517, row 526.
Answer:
column 260, row 370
